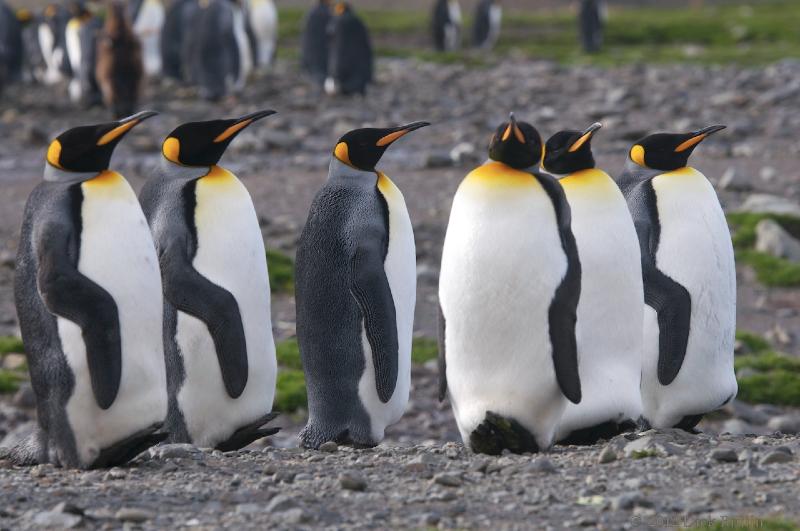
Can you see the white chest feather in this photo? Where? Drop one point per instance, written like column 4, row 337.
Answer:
column 243, row 45
column 230, row 253
column 501, row 265
column 117, row 252
column 264, row 21
column 147, row 27
column 400, row 267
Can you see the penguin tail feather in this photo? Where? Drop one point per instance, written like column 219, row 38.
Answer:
column 249, row 434
column 497, row 433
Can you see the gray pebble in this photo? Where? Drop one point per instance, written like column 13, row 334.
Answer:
column 134, row 514
column 724, row 455
column 447, row 480
column 777, row 457
column 352, row 481
column 329, row 447
column 607, row 455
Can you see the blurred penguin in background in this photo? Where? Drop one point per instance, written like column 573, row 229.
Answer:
column 591, row 25
column 148, row 17
column 263, row 18
column 173, row 35
column 316, row 42
column 351, row 62
column 51, row 35
column 81, row 40
column 119, row 62
column 212, row 49
column 10, row 46
column 486, row 28
column 446, row 25
column 33, row 66
column 244, row 61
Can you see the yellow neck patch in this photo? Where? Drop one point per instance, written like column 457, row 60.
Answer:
column 219, row 175
column 387, row 187
column 498, row 175
column 595, row 182
column 107, row 184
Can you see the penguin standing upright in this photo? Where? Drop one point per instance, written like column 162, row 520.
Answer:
column 81, row 41
column 446, row 25
column 11, row 48
column 263, row 17
column 221, row 365
column 689, row 281
column 213, row 49
column 88, row 295
column 486, row 27
column 177, row 20
column 244, row 39
column 316, row 42
column 609, row 328
column 51, row 35
column 351, row 62
column 508, row 292
column 591, row 25
column 355, row 286
column 119, row 69
column 147, row 17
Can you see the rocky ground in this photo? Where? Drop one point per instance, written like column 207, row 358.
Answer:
column 284, row 160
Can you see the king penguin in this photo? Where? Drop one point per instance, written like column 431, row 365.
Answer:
column 610, row 315
column 355, row 290
column 446, row 25
column 147, row 18
column 508, row 292
column 88, row 297
column 689, row 281
column 52, row 43
column 316, row 42
column 81, row 41
column 174, row 33
column 221, row 365
column 263, row 18
column 351, row 61
column 486, row 27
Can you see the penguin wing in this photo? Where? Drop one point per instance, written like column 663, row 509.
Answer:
column 671, row 301
column 370, row 288
column 71, row 295
column 442, row 358
column 563, row 312
column 192, row 293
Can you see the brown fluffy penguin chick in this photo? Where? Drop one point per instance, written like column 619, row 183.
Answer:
column 119, row 67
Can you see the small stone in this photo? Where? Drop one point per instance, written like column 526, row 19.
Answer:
column 447, row 480
column 430, row 519
column 628, row 501
column 777, row 457
column 788, row 424
column 329, row 447
column 607, row 455
column 768, row 173
column 174, row 451
column 52, row 519
column 778, row 334
column 773, row 239
column 735, row 181
column 285, row 476
column 724, row 455
column 542, row 464
column 68, row 508
column 770, row 204
column 248, row 508
column 280, row 503
column 134, row 514
column 14, row 362
column 295, row 516
column 352, row 481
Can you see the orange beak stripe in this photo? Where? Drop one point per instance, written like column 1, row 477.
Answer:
column 690, row 143
column 391, row 137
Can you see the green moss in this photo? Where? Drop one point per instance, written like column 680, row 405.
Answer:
column 643, row 454
column 773, row 379
column 753, row 342
column 9, row 381
column 770, row 270
column 11, row 344
column 290, row 392
column 288, row 354
column 747, row 523
column 744, row 226
column 423, row 350
column 281, row 272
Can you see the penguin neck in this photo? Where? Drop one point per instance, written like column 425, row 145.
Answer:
column 641, row 172
column 180, row 172
column 56, row 175
column 338, row 170
column 533, row 170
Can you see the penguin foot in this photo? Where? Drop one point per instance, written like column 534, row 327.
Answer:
column 128, row 448
column 689, row 422
column 248, row 434
column 312, row 437
column 28, row 452
column 497, row 433
column 592, row 434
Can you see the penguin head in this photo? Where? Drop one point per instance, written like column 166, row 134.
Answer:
column 669, row 151
column 516, row 144
column 363, row 148
column 341, row 8
column 570, row 151
column 89, row 148
column 204, row 143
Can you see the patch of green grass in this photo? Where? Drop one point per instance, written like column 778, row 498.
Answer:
column 290, row 392
column 774, row 379
column 9, row 381
column 744, row 225
column 643, row 454
column 770, row 270
column 747, row 523
column 281, row 272
column 752, row 341
column 11, row 344
column 423, row 350
column 288, row 354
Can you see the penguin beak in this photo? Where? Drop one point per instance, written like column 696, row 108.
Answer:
column 587, row 134
column 123, row 126
column 396, row 133
column 514, row 129
column 242, row 123
column 698, row 136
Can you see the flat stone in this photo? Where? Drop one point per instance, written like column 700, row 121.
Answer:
column 329, row 447
column 788, row 424
column 14, row 361
column 773, row 239
column 628, row 501
column 59, row 520
column 777, row 457
column 352, row 481
column 134, row 514
column 542, row 464
column 447, row 480
column 174, row 451
column 280, row 503
column 770, row 204
column 724, row 455
column 734, row 180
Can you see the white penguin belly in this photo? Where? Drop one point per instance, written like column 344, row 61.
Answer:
column 73, row 42
column 610, row 316
column 264, row 21
column 694, row 250
column 501, row 265
column 401, row 272
column 243, row 46
column 117, row 252
column 230, row 253
column 148, row 29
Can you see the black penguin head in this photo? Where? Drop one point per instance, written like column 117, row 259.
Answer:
column 570, row 151
column 89, row 148
column 204, row 143
column 669, row 151
column 363, row 148
column 516, row 144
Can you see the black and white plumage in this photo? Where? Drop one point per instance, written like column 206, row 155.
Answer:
column 81, row 42
column 174, row 32
column 486, row 26
column 147, row 19
column 316, row 42
column 350, row 66
column 446, row 25
column 51, row 36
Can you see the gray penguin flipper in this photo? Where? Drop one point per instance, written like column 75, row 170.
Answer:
column 442, row 358
column 192, row 293
column 370, row 288
column 69, row 294
column 563, row 312
column 671, row 301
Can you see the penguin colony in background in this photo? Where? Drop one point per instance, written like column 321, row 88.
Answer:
column 149, row 320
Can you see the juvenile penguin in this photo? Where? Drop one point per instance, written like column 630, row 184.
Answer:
column 610, row 315
column 221, row 365
column 508, row 292
column 486, row 27
column 316, row 42
column 355, row 291
column 351, row 61
column 446, row 25
column 119, row 69
column 689, row 281
column 88, row 296
column 263, row 18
